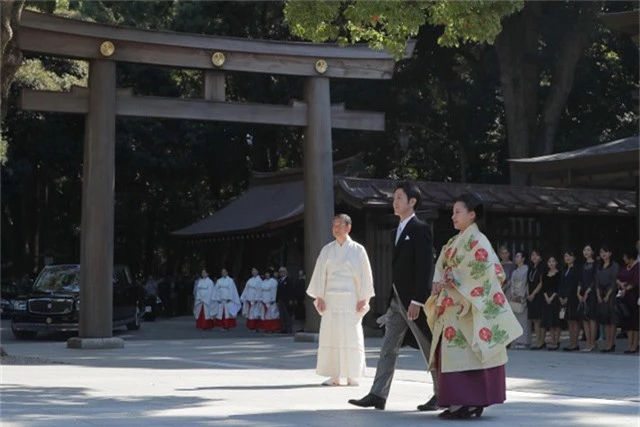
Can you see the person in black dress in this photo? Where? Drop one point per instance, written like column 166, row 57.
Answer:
column 569, row 298
column 627, row 281
column 551, row 305
column 606, row 289
column 587, row 296
column 534, row 297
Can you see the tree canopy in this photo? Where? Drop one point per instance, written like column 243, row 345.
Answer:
column 389, row 24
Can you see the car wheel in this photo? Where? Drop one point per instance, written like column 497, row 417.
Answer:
column 24, row 335
column 135, row 325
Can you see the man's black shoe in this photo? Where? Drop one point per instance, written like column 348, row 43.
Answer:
column 431, row 405
column 370, row 400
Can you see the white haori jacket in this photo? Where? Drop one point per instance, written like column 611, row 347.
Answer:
column 342, row 269
column 268, row 308
column 226, row 295
column 250, row 296
column 203, row 297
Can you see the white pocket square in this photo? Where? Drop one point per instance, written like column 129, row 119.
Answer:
column 407, row 238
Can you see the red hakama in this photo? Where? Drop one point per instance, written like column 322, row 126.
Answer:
column 202, row 322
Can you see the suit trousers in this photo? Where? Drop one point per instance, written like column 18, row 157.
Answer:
column 396, row 327
column 285, row 317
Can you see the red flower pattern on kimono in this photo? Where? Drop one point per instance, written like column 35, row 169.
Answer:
column 485, row 334
column 447, row 302
column 499, row 298
column 477, row 291
column 473, row 244
column 450, row 333
column 481, row 255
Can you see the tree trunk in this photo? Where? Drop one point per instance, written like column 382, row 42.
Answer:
column 574, row 43
column 516, row 49
column 10, row 13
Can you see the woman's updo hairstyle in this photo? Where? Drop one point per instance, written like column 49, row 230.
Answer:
column 473, row 202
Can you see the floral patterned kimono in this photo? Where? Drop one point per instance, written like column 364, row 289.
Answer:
column 471, row 321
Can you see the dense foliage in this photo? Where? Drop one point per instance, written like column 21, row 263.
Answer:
column 446, row 118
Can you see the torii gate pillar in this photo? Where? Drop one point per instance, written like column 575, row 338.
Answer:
column 96, row 243
column 318, row 181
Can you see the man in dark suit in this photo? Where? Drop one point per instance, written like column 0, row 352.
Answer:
column 283, row 298
column 412, row 274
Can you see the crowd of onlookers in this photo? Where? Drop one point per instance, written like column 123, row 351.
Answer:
column 589, row 292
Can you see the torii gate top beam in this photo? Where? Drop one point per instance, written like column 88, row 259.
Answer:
column 52, row 35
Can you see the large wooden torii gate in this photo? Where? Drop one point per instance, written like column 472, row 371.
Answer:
column 104, row 45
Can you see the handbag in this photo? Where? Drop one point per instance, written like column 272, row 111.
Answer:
column 620, row 308
column 517, row 307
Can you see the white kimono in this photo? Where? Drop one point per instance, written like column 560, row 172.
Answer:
column 250, row 296
column 342, row 277
column 226, row 295
column 268, row 308
column 203, row 297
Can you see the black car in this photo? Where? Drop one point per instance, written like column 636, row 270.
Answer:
column 54, row 302
column 9, row 292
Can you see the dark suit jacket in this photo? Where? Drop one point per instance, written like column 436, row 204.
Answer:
column 413, row 270
column 284, row 290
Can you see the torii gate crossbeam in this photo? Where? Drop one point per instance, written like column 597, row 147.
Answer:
column 104, row 45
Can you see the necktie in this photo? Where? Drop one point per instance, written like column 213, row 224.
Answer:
column 398, row 233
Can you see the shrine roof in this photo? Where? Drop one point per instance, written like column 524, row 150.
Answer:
column 269, row 205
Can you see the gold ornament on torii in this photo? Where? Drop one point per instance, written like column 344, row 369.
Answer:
column 218, row 59
column 321, row 66
column 107, row 48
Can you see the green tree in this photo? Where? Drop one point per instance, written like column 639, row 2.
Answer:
column 535, row 89
column 389, row 24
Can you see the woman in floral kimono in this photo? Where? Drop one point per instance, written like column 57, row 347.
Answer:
column 471, row 321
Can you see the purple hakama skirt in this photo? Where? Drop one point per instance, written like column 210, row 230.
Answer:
column 482, row 387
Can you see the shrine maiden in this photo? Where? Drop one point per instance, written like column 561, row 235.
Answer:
column 267, row 305
column 203, row 305
column 226, row 295
column 249, row 298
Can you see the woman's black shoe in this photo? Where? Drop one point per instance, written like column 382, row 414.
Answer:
column 608, row 350
column 632, row 351
column 540, row 347
column 571, row 348
column 431, row 405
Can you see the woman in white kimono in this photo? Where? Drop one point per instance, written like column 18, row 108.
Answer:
column 342, row 285
column 226, row 295
column 269, row 314
column 203, row 301
column 249, row 298
column 470, row 319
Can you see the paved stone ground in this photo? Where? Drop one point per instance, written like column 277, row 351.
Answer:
column 170, row 374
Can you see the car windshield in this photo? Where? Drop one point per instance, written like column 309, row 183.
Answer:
column 59, row 278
